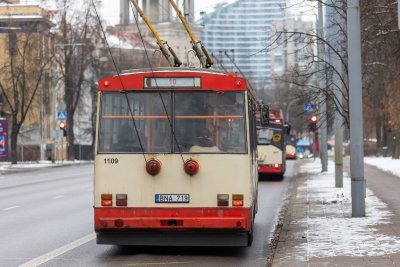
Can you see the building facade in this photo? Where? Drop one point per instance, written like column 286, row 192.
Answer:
column 170, row 29
column 292, row 49
column 242, row 30
column 25, row 46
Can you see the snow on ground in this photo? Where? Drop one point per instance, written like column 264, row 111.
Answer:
column 386, row 164
column 34, row 164
column 331, row 231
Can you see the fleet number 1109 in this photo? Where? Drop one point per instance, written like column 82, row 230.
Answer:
column 111, row 161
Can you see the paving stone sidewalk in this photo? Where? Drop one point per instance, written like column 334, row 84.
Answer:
column 318, row 229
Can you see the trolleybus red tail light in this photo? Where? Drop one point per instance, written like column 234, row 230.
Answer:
column 153, row 167
column 191, row 167
column 223, row 199
column 122, row 200
column 106, row 199
column 237, row 200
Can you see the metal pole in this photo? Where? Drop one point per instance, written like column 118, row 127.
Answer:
column 323, row 125
column 332, row 19
column 338, row 125
column 358, row 184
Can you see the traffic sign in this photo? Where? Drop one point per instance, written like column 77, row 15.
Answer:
column 308, row 108
column 61, row 115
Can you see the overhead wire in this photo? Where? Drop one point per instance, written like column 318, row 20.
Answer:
column 158, row 89
column 121, row 81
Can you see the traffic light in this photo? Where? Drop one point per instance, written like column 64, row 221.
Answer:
column 62, row 125
column 313, row 123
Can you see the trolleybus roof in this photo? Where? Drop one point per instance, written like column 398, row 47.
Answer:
column 133, row 80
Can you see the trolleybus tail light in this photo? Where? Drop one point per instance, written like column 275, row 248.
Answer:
column 106, row 199
column 122, row 200
column 106, row 83
column 153, row 167
column 276, row 165
column 237, row 200
column 191, row 167
column 223, row 199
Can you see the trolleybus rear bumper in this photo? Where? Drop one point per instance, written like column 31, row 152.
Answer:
column 173, row 238
column 269, row 169
column 177, row 227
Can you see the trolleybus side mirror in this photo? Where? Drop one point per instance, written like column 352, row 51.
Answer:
column 264, row 115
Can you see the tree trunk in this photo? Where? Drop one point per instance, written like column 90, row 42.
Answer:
column 70, row 134
column 378, row 131
column 14, row 140
column 395, row 145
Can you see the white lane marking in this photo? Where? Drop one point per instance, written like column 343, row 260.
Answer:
column 11, row 208
column 57, row 197
column 59, row 251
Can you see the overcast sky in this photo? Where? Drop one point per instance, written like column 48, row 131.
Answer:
column 110, row 10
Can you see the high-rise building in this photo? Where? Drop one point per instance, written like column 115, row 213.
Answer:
column 291, row 50
column 163, row 18
column 242, row 29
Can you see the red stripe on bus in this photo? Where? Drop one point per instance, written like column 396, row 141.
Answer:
column 176, row 117
column 173, row 218
column 209, row 81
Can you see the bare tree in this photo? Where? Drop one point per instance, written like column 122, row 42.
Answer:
column 77, row 38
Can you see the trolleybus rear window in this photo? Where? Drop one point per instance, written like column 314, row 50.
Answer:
column 272, row 135
column 203, row 122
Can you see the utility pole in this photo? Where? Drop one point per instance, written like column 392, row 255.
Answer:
column 321, row 73
column 338, row 123
column 358, row 184
column 332, row 19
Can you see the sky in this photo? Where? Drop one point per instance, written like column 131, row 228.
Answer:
column 110, row 10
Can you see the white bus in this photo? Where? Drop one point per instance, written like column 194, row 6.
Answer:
column 175, row 162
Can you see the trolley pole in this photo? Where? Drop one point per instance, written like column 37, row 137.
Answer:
column 323, row 122
column 358, row 184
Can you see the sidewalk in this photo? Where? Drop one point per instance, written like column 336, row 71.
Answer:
column 8, row 168
column 318, row 230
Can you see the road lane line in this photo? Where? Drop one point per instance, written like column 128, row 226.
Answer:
column 11, row 208
column 159, row 263
column 57, row 197
column 59, row 251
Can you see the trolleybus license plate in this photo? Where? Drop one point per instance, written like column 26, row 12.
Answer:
column 172, row 198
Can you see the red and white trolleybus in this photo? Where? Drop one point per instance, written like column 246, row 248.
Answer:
column 175, row 161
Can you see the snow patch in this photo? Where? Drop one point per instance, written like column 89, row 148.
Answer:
column 329, row 228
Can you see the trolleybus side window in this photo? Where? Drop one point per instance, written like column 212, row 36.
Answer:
column 117, row 132
column 210, row 122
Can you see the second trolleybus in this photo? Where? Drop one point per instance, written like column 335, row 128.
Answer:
column 271, row 145
column 175, row 162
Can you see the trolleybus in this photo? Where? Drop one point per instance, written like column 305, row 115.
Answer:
column 291, row 146
column 271, row 145
column 175, row 161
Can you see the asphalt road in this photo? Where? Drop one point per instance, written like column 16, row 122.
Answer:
column 42, row 210
column 46, row 219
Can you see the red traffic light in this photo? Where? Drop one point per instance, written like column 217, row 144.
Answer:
column 62, row 125
column 314, row 118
